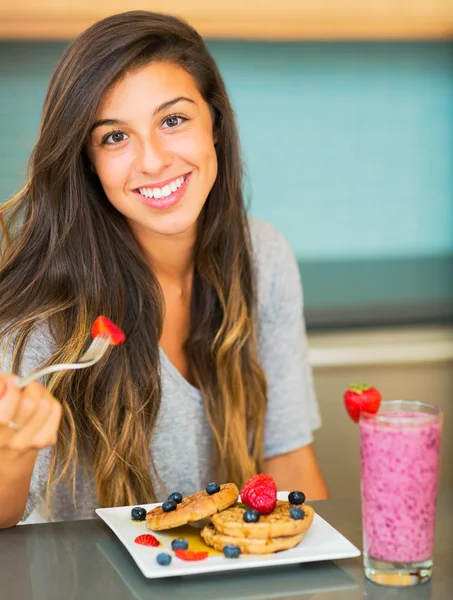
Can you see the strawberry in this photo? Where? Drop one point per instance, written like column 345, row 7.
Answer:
column 260, row 493
column 361, row 398
column 146, row 539
column 191, row 554
column 103, row 326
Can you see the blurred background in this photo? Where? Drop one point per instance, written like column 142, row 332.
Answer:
column 345, row 111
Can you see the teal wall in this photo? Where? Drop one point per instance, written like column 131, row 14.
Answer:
column 348, row 147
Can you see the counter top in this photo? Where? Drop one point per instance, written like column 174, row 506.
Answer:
column 83, row 560
column 376, row 293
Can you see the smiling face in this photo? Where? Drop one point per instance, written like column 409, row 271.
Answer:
column 152, row 147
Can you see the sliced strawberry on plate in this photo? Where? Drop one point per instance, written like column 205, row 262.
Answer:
column 361, row 398
column 191, row 554
column 146, row 539
column 103, row 326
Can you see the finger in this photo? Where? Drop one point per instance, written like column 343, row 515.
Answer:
column 47, row 436
column 32, row 394
column 35, row 391
column 26, row 409
column 24, row 438
column 10, row 401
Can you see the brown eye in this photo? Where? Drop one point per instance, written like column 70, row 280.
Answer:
column 117, row 137
column 173, row 121
column 114, row 138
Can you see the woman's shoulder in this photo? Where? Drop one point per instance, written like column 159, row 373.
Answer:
column 276, row 268
column 267, row 242
column 40, row 345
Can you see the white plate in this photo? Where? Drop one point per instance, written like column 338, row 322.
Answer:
column 321, row 542
column 289, row 581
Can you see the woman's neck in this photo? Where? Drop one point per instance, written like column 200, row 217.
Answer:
column 172, row 261
column 171, row 256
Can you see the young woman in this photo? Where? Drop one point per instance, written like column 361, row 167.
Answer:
column 134, row 210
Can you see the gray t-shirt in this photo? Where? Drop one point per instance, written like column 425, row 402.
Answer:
column 181, row 446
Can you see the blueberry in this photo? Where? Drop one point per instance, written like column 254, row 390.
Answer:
column 138, row 513
column 296, row 497
column 251, row 515
column 179, row 544
column 296, row 513
column 212, row 488
column 231, row 551
column 163, row 559
column 176, row 496
column 168, row 505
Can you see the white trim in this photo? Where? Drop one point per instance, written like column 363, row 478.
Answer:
column 381, row 346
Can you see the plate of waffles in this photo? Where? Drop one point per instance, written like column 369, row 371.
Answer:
column 209, row 532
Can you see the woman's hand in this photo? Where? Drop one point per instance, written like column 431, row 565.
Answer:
column 29, row 420
column 35, row 412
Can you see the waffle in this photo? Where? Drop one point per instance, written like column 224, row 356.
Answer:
column 193, row 508
column 278, row 524
column 248, row 545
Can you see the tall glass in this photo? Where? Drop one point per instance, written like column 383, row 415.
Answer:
column 400, row 450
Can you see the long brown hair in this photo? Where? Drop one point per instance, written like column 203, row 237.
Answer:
column 69, row 256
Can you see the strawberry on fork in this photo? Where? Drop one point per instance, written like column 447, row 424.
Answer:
column 105, row 334
column 103, row 326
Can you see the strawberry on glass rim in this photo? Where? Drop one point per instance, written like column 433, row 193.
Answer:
column 360, row 397
column 103, row 326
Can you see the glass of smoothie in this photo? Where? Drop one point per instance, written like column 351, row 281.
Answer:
column 400, row 450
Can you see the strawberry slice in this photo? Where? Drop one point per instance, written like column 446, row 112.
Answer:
column 191, row 554
column 361, row 398
column 103, row 326
column 146, row 539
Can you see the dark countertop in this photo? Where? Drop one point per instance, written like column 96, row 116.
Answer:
column 83, row 560
column 367, row 293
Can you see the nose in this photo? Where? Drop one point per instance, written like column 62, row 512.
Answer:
column 151, row 155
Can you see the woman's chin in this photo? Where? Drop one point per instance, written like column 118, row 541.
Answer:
column 173, row 226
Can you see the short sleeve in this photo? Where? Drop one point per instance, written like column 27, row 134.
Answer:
column 38, row 349
column 292, row 411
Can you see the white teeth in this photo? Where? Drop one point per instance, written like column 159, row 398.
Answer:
column 164, row 191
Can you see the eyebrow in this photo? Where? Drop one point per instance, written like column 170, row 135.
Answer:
column 163, row 106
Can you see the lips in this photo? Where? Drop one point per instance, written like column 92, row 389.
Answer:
column 163, row 202
column 161, row 184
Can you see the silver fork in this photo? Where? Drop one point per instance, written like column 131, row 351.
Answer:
column 95, row 352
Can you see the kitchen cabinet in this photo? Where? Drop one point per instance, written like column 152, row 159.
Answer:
column 236, row 19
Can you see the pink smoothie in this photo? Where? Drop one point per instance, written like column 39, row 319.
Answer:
column 399, row 486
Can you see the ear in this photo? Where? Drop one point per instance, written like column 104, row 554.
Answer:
column 87, row 160
column 215, row 125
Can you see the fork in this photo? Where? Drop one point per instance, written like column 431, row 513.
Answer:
column 95, row 352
